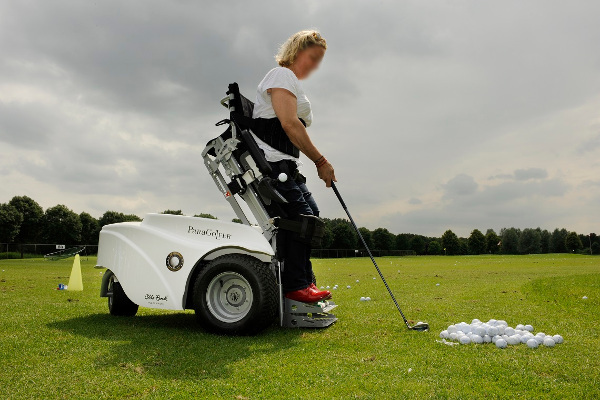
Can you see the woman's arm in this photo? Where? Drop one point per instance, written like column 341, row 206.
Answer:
column 285, row 106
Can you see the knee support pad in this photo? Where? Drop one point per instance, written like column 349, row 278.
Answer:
column 306, row 228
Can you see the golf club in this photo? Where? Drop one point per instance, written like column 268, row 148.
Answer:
column 421, row 326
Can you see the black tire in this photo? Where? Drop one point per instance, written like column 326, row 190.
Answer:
column 118, row 302
column 236, row 294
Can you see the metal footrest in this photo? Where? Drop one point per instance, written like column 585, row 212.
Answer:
column 305, row 315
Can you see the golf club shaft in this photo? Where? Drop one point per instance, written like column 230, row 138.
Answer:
column 337, row 193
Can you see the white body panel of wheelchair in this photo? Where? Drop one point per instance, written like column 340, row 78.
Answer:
column 154, row 259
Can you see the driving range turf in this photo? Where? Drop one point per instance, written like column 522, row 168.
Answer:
column 61, row 344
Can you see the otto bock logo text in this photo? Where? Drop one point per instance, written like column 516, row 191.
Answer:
column 209, row 232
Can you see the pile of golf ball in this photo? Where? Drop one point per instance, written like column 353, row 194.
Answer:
column 499, row 333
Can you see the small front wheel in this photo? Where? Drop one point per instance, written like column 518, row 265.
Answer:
column 235, row 294
column 118, row 302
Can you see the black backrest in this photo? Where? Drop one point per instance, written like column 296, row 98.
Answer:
column 240, row 103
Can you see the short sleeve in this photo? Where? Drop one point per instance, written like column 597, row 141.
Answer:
column 281, row 77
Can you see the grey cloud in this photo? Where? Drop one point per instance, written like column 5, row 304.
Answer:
column 460, row 185
column 530, row 173
column 415, row 201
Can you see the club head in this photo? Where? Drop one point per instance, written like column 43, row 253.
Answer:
column 420, row 326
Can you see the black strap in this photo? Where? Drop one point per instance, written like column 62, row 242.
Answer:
column 270, row 131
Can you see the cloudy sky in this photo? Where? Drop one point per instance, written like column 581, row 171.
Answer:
column 435, row 114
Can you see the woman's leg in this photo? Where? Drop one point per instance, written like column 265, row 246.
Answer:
column 315, row 211
column 296, row 252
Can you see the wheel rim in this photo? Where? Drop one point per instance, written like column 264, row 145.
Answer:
column 109, row 291
column 229, row 297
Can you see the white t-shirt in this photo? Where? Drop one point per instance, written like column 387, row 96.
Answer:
column 279, row 77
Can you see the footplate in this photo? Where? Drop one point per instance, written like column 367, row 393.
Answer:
column 306, row 315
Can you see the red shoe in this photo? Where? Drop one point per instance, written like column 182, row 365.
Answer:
column 320, row 292
column 307, row 295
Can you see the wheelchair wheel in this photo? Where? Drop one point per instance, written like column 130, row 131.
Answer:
column 118, row 302
column 236, row 294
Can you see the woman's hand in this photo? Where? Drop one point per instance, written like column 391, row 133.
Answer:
column 326, row 173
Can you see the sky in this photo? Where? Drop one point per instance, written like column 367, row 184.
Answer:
column 435, row 115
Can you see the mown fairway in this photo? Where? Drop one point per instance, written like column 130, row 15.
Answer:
column 60, row 344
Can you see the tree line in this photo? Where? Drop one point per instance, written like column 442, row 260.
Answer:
column 23, row 221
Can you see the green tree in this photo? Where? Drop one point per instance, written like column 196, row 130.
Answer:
column 172, row 212
column 115, row 217
column 132, row 218
column 509, row 240
column 344, row 236
column 418, row 244
column 327, row 241
column 557, row 241
column 32, row 217
column 450, row 243
column 366, row 234
column 382, row 239
column 205, row 215
column 403, row 241
column 545, row 237
column 596, row 248
column 464, row 246
column 10, row 222
column 237, row 221
column 61, row 225
column 530, row 242
column 435, row 248
column 572, row 242
column 492, row 241
column 90, row 229
column 477, row 243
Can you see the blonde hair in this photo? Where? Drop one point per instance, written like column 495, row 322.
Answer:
column 296, row 43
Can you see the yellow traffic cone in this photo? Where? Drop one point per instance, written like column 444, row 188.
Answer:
column 75, row 282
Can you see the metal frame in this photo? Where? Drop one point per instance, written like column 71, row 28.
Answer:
column 291, row 313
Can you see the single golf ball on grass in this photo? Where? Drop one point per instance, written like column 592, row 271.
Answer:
column 363, row 299
column 532, row 343
column 549, row 342
column 348, row 287
column 558, row 339
column 368, row 298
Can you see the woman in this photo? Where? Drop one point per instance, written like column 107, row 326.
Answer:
column 280, row 98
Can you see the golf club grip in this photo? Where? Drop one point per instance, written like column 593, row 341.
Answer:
column 338, row 195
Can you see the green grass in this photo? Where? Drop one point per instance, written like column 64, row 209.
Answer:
column 61, row 344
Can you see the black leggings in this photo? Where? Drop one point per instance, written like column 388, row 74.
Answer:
column 297, row 268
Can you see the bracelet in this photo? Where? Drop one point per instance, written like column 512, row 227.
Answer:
column 322, row 161
column 319, row 159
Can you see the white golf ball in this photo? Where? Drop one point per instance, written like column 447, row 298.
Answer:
column 500, row 329
column 549, row 342
column 348, row 287
column 460, row 333
column 495, row 338
column 532, row 343
column 538, row 339
column 327, row 287
column 322, row 287
column 558, row 339
column 368, row 298
column 282, row 177
column 526, row 338
column 357, row 281
column 520, row 327
column 363, row 299
column 487, row 339
column 465, row 340
column 437, row 284
column 453, row 336
column 492, row 322
column 529, row 328
column 509, row 331
column 475, row 321
column 492, row 331
column 584, row 297
column 444, row 334
column 480, row 331
column 374, row 278
column 541, row 334
column 514, row 339
column 502, row 322
column 452, row 329
column 501, row 343
column 477, row 339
